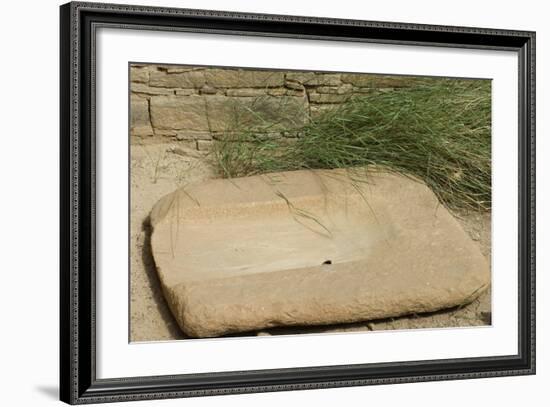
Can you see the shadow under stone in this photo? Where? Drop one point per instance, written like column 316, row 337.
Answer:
column 154, row 283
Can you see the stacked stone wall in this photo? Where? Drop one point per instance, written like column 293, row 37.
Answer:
column 197, row 104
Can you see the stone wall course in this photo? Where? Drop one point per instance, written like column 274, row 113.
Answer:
column 191, row 104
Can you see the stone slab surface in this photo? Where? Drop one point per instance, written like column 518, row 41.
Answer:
column 309, row 248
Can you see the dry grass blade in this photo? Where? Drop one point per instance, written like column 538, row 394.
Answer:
column 298, row 213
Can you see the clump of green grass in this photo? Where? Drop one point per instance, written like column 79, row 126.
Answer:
column 438, row 131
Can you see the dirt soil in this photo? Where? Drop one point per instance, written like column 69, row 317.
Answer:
column 158, row 169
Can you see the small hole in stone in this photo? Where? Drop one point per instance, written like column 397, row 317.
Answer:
column 327, row 262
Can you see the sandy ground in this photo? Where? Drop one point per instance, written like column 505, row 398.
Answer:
column 158, row 169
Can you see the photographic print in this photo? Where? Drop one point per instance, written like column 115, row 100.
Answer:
column 272, row 202
column 256, row 202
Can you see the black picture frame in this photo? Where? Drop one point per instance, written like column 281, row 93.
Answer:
column 78, row 382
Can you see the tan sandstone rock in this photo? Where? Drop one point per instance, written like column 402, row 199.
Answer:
column 140, row 123
column 243, row 78
column 139, row 74
column 186, row 79
column 309, row 247
column 174, row 113
column 314, row 78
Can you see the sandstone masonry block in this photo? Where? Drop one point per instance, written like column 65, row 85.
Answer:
column 138, row 74
column 178, row 113
column 338, row 90
column 359, row 80
column 294, row 85
column 139, row 111
column 185, row 92
column 208, row 90
column 313, row 78
column 292, row 92
column 140, row 123
column 187, row 79
column 165, row 133
column 142, row 131
column 277, row 92
column 171, row 70
column 140, row 88
column 222, row 78
column 242, row 92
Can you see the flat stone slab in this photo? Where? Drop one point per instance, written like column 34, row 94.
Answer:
column 309, row 248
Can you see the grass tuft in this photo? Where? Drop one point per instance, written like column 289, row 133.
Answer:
column 439, row 131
